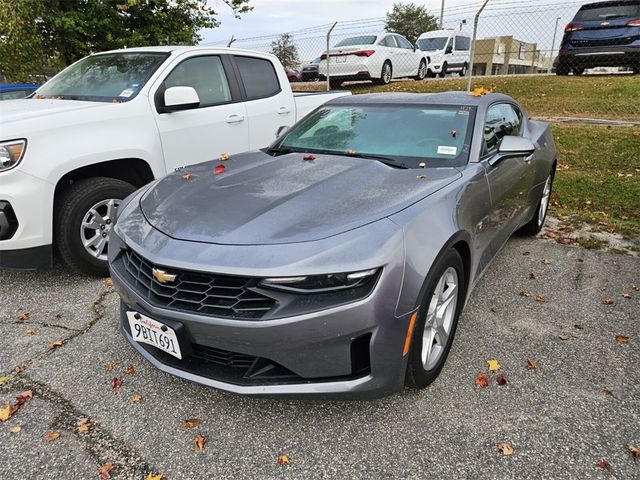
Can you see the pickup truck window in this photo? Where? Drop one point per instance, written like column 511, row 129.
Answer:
column 206, row 75
column 104, row 77
column 258, row 76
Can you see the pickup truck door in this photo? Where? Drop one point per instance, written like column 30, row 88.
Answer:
column 269, row 104
column 218, row 125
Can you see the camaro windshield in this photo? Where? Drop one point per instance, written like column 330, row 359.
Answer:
column 437, row 134
column 432, row 44
column 104, row 78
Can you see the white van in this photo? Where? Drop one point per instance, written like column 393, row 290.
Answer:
column 447, row 50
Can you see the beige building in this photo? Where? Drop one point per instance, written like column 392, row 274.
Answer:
column 507, row 56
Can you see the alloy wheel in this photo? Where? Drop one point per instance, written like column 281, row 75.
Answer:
column 544, row 201
column 386, row 73
column 440, row 315
column 96, row 226
column 422, row 70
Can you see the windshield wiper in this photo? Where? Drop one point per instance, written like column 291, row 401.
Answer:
column 392, row 162
column 281, row 151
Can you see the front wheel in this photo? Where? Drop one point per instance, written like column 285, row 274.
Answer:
column 463, row 72
column 443, row 72
column 437, row 320
column 422, row 70
column 533, row 226
column 83, row 217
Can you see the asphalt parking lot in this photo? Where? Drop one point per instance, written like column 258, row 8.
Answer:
column 557, row 417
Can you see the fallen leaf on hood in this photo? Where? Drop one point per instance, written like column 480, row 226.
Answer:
column 55, row 344
column 635, row 451
column 116, row 382
column 351, row 152
column 309, row 157
column 191, row 422
column 136, row 399
column 153, row 476
column 505, row 448
column 524, row 293
column 5, row 413
column 109, row 366
column 421, row 177
column 501, row 379
column 219, row 169
column 546, row 262
column 31, row 331
column 482, row 380
column 283, row 459
column 422, row 165
column 18, row 429
column 540, row 298
column 532, row 365
column 108, row 282
column 493, row 365
column 105, row 471
column 130, row 369
column 224, row 157
column 83, row 425
column 622, row 339
column 607, row 301
column 198, row 443
column 603, row 464
column 186, row 177
column 51, row 436
column 23, row 317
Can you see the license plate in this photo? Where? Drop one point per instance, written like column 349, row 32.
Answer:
column 340, row 59
column 149, row 331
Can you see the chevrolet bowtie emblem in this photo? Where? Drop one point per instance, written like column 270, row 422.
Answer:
column 604, row 24
column 162, row 276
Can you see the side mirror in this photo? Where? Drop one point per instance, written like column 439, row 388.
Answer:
column 282, row 131
column 512, row 146
column 448, row 50
column 180, row 98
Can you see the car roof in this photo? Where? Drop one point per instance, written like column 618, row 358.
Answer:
column 184, row 48
column 444, row 98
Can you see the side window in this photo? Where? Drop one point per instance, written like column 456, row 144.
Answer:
column 449, row 46
column 388, row 41
column 463, row 43
column 204, row 74
column 502, row 119
column 403, row 42
column 258, row 76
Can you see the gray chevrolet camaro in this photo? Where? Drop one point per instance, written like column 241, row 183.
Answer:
column 337, row 261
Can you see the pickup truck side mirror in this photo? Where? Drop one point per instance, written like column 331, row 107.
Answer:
column 512, row 146
column 282, row 131
column 180, row 98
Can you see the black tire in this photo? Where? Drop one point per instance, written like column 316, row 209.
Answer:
column 533, row 226
column 430, row 73
column 578, row 71
column 384, row 80
column 443, row 72
column 417, row 376
column 422, row 70
column 463, row 72
column 72, row 205
column 562, row 70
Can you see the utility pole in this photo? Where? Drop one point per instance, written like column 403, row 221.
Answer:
column 553, row 44
column 473, row 45
column 327, row 55
column 442, row 15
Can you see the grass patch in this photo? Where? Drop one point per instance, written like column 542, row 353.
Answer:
column 598, row 179
column 591, row 243
column 597, row 96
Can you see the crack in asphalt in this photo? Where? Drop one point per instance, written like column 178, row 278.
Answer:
column 38, row 323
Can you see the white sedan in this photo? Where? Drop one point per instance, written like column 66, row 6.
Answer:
column 378, row 58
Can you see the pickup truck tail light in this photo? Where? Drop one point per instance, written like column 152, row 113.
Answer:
column 634, row 23
column 572, row 27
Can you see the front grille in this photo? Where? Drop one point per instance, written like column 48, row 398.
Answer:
column 211, row 294
column 607, row 42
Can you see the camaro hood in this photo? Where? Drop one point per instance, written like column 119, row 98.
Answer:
column 260, row 199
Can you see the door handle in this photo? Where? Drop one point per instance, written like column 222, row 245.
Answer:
column 284, row 110
column 528, row 158
column 235, row 118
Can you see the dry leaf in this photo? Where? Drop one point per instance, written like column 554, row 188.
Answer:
column 607, row 391
column 351, row 152
column 526, row 253
column 108, row 282
column 23, row 317
column 20, row 368
column 626, row 295
column 546, row 262
column 525, row 293
column 31, row 331
column 622, row 339
column 283, row 459
column 578, row 326
column 607, row 301
column 153, row 476
column 532, row 365
column 493, row 310
column 83, row 425
column 59, row 315
column 219, row 169
column 105, row 471
column 533, row 276
column 224, row 157
column 109, row 366
column 540, row 298
column 421, row 177
column 493, row 365
column 309, row 157
column 422, row 165
column 186, row 177
column 635, row 451
column 505, row 448
column 51, row 436
column 116, row 382
column 130, row 369
column 198, row 443
column 563, row 337
column 55, row 344
column 5, row 413
column 501, row 379
column 482, row 380
column 191, row 422
column 5, row 379
column 136, row 399
column 18, row 429
column 603, row 464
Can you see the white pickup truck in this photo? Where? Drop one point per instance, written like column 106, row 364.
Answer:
column 114, row 121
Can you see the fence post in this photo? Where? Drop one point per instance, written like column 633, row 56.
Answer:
column 473, row 45
column 327, row 54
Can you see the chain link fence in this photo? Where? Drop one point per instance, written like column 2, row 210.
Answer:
column 513, row 37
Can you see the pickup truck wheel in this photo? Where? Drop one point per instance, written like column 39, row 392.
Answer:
column 84, row 215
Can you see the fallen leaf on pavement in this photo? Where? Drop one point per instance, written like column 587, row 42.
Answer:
column 83, row 425
column 482, row 380
column 23, row 317
column 153, row 476
column 532, row 365
column 108, row 282
column 18, row 429
column 59, row 315
column 622, row 339
column 533, row 275
column 493, row 365
column 540, row 298
column 607, row 391
column 191, row 422
column 525, row 293
column 5, row 379
column 51, row 436
column 31, row 331
column 283, row 459
column 501, row 379
column 505, row 448
column 5, row 413
column 136, row 399
column 19, row 368
column 105, row 471
column 607, row 301
column 546, row 262
column 635, row 451
column 563, row 337
column 626, row 295
column 130, row 369
column 116, row 382
column 198, row 443
column 109, row 366
column 525, row 253
column 603, row 464
column 55, row 344
column 577, row 326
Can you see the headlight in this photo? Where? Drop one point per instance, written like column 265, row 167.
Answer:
column 11, row 152
column 320, row 283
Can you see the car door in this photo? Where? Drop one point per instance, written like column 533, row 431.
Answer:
column 409, row 59
column 217, row 125
column 389, row 51
column 268, row 105
column 509, row 178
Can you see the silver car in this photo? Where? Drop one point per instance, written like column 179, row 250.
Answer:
column 337, row 261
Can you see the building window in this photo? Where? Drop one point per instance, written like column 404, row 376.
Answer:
column 500, row 49
column 521, row 51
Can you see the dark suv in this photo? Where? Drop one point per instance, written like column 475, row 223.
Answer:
column 602, row 34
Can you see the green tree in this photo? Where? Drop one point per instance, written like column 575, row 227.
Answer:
column 410, row 20
column 59, row 32
column 285, row 50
